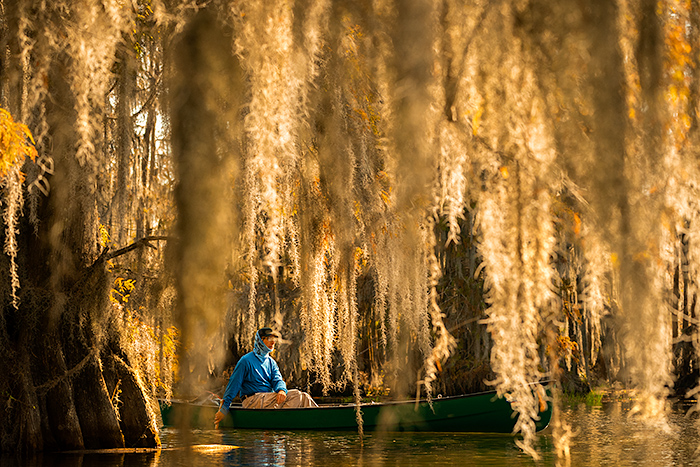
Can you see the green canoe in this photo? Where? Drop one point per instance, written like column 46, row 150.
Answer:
column 478, row 413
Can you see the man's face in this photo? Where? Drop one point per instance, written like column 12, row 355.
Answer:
column 269, row 341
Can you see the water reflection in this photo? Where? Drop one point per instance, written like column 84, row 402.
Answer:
column 606, row 436
column 394, row 449
column 152, row 459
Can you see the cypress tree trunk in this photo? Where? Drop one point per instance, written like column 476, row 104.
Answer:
column 62, row 422
column 127, row 394
column 53, row 390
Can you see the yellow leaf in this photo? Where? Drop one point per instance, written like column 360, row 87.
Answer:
column 685, row 119
column 16, row 143
column 476, row 120
column 673, row 94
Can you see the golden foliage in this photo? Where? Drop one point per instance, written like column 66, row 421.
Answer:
column 104, row 236
column 568, row 348
column 476, row 120
column 16, row 143
column 122, row 290
column 678, row 69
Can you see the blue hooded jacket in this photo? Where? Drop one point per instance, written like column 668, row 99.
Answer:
column 255, row 372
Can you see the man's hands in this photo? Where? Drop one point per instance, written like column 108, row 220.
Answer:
column 281, row 397
column 217, row 418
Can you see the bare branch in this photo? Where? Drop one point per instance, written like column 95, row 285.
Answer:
column 144, row 242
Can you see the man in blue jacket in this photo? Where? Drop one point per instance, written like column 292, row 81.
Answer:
column 257, row 379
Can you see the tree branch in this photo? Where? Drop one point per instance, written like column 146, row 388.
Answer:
column 144, row 242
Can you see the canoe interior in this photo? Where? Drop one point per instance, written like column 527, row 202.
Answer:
column 477, row 413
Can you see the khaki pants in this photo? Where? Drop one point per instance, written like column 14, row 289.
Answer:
column 268, row 400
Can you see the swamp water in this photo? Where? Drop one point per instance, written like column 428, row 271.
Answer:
column 605, row 436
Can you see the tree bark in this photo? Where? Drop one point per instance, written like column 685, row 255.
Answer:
column 62, row 422
column 122, row 383
column 29, row 435
column 95, row 411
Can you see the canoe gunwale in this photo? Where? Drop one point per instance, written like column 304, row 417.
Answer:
column 484, row 412
column 438, row 400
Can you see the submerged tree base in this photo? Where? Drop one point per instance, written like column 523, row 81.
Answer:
column 67, row 394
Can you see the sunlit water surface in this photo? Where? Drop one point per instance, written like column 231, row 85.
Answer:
column 605, row 436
